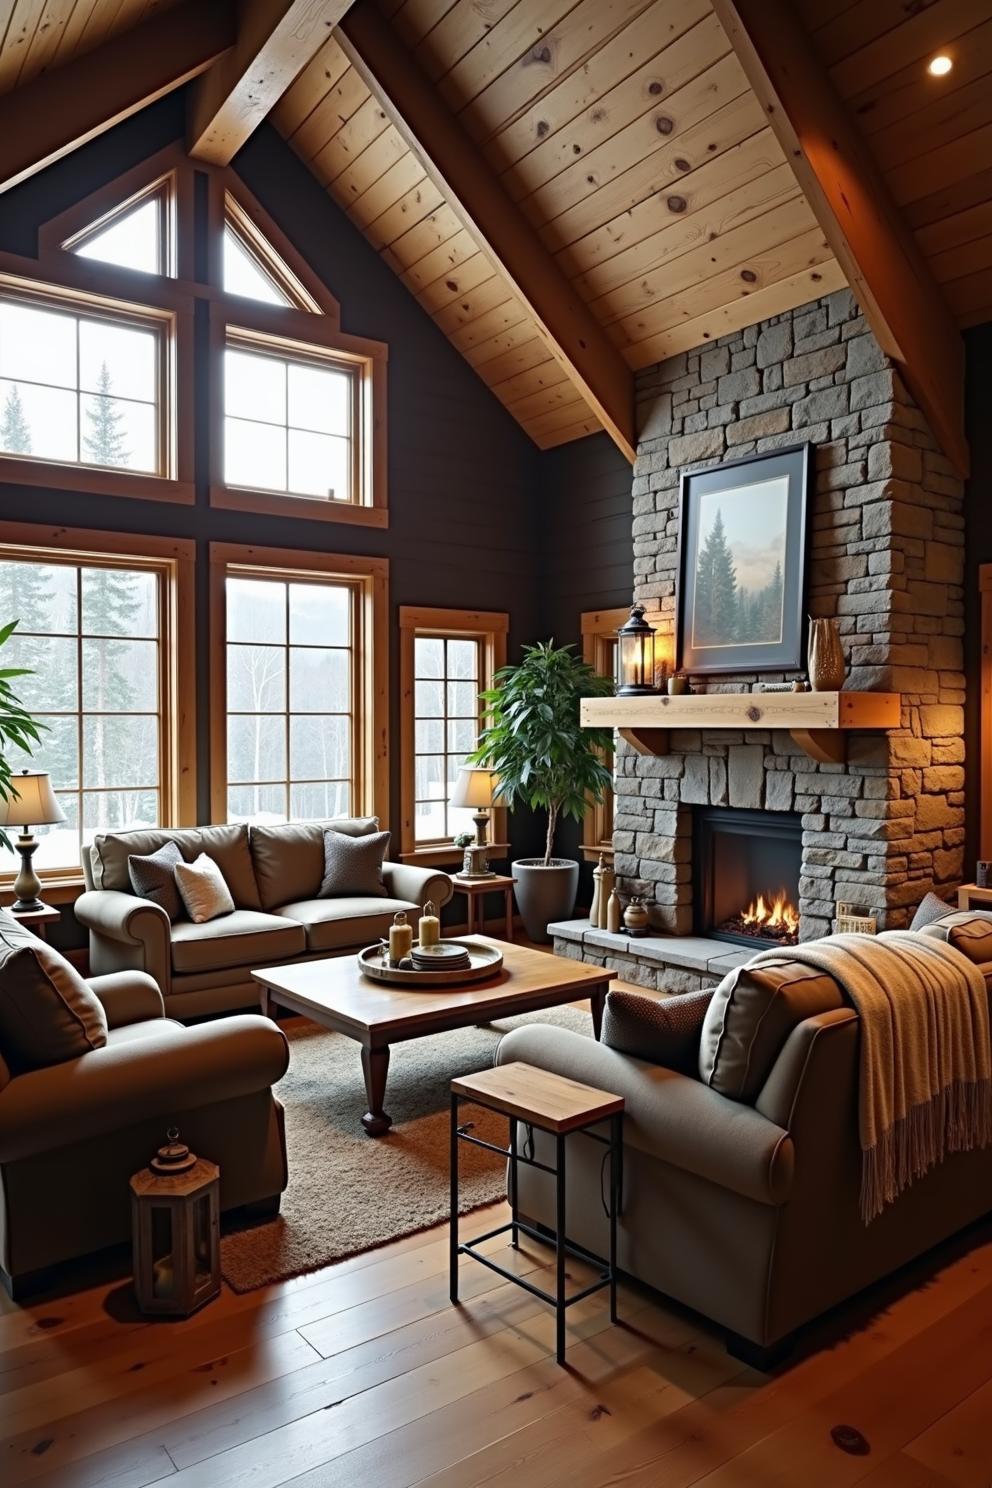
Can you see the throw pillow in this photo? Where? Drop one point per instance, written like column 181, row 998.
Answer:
column 153, row 877
column 203, row 890
column 47, row 1012
column 662, row 1032
column 931, row 908
column 353, row 865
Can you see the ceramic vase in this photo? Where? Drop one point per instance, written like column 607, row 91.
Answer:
column 825, row 656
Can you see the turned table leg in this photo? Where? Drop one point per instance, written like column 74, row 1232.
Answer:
column 375, row 1067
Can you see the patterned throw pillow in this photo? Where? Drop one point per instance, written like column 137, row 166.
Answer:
column 353, row 865
column 663, row 1032
column 203, row 890
column 153, row 877
column 931, row 908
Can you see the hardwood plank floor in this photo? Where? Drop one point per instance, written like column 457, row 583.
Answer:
column 363, row 1374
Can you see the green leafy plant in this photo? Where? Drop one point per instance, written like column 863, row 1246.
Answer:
column 534, row 741
column 17, row 728
column 463, row 839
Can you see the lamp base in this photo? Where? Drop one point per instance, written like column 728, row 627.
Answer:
column 27, row 884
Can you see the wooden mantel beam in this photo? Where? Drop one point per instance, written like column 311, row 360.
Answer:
column 62, row 109
column 478, row 199
column 276, row 39
column 893, row 284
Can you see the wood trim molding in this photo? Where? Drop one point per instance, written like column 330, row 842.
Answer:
column 174, row 560
column 227, row 188
column 985, row 713
column 490, row 628
column 276, row 39
column 371, row 576
column 66, row 106
column 598, row 628
column 852, row 203
column 479, row 200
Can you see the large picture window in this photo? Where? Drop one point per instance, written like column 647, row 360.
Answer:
column 99, row 634
column 448, row 658
column 299, row 649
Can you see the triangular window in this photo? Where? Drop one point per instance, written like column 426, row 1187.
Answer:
column 135, row 235
column 254, row 269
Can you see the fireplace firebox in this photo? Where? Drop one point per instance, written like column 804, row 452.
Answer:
column 746, row 875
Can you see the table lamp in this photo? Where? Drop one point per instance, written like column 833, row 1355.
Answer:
column 32, row 803
column 476, row 786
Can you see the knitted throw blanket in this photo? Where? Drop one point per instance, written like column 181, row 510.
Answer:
column 925, row 1057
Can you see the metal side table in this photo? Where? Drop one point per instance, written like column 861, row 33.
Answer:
column 560, row 1107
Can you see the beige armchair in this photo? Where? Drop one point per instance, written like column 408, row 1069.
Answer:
column 71, row 1134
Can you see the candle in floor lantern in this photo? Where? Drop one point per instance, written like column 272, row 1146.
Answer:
column 430, row 925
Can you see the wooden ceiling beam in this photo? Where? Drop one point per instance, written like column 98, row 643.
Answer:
column 887, row 272
column 276, row 40
column 63, row 108
column 477, row 197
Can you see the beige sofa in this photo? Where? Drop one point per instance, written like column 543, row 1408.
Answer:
column 747, row 1210
column 71, row 1134
column 273, row 873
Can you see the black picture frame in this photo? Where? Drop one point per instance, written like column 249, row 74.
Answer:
column 721, row 625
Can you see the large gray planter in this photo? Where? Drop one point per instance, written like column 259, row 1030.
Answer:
column 545, row 893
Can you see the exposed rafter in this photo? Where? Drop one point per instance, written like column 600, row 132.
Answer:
column 853, row 205
column 62, row 109
column 276, row 39
column 477, row 197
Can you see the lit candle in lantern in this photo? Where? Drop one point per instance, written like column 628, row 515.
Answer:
column 635, row 662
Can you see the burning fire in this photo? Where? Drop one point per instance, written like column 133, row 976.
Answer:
column 774, row 915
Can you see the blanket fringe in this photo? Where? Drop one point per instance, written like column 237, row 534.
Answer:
column 957, row 1119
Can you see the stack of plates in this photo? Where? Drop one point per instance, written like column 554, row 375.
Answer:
column 447, row 955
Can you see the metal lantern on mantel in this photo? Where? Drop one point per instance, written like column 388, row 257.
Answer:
column 635, row 656
column 175, row 1218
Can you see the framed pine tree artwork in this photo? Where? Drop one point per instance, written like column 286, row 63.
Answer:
column 742, row 564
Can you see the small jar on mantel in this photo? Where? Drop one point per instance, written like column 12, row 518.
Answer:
column 825, row 656
column 635, row 917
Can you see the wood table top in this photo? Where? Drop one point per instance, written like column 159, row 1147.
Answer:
column 335, row 990
column 546, row 1100
column 482, row 885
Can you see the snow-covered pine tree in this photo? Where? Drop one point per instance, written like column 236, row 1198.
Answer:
column 105, row 442
column 15, row 431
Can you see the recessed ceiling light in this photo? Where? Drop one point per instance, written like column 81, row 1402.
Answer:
column 940, row 65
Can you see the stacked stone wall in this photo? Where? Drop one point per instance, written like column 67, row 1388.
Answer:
column 886, row 558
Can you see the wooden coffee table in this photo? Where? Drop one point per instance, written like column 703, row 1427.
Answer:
column 335, row 994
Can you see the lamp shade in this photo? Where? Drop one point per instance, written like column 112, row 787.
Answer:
column 35, row 804
column 476, row 786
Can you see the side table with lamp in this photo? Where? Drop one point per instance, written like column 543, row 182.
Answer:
column 33, row 802
column 476, row 787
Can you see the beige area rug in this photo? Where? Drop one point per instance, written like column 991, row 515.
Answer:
column 349, row 1192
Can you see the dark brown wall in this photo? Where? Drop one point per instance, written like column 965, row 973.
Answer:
column 587, row 553
column 978, row 550
column 462, row 475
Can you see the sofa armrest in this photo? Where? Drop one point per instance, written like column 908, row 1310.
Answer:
column 127, row 934
column 128, row 997
column 407, row 881
column 672, row 1117
column 178, row 1070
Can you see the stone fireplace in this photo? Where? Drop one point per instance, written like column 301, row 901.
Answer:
column 746, row 871
column 886, row 558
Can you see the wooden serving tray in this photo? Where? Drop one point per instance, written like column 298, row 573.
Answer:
column 485, row 962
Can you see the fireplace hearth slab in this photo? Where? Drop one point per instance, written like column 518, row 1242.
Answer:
column 699, row 953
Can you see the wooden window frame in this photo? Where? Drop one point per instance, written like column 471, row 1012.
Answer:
column 167, row 314
column 370, row 578
column 985, row 715
column 173, row 560
column 490, row 628
column 232, row 203
column 599, row 630
column 297, row 334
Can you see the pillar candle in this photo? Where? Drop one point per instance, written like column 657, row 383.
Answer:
column 430, row 926
column 400, row 937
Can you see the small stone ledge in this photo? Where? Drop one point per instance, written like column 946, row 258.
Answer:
column 686, row 952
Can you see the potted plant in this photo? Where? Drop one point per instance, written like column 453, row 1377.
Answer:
column 17, row 727
column 543, row 757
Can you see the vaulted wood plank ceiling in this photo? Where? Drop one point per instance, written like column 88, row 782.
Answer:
column 38, row 34
column 628, row 135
